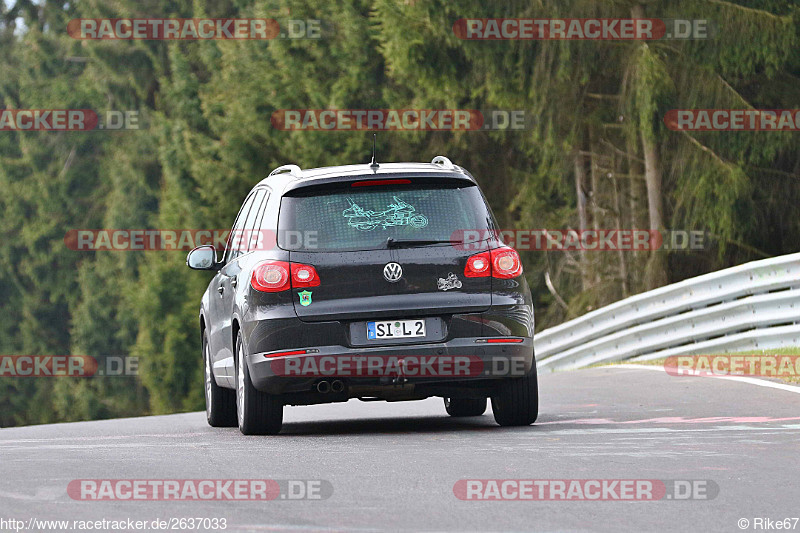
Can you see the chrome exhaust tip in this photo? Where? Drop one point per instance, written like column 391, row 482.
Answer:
column 323, row 387
column 337, row 386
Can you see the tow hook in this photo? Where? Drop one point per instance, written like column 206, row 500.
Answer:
column 400, row 378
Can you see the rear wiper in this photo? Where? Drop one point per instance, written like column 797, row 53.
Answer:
column 391, row 242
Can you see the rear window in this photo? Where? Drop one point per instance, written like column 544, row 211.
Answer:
column 364, row 218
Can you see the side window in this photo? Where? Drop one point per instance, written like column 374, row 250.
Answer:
column 249, row 224
column 262, row 238
column 264, row 219
column 234, row 246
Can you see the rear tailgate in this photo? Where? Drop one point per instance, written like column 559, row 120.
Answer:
column 353, row 285
column 358, row 231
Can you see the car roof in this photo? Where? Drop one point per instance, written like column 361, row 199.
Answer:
column 295, row 177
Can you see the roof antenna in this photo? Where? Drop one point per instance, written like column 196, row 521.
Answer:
column 374, row 164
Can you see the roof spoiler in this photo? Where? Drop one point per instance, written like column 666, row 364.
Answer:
column 294, row 170
column 442, row 160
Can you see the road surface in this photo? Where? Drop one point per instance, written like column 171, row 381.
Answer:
column 393, row 466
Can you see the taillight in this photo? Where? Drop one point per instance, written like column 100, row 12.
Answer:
column 304, row 276
column 270, row 276
column 503, row 263
column 478, row 266
column 277, row 276
column 506, row 263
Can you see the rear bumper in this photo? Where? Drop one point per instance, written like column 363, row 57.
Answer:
column 420, row 369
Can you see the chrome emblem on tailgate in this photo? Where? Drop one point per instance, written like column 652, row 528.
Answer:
column 392, row 272
column 450, row 282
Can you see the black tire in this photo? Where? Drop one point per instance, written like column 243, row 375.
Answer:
column 464, row 406
column 220, row 402
column 258, row 413
column 516, row 402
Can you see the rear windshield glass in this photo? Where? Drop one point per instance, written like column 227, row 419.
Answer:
column 365, row 218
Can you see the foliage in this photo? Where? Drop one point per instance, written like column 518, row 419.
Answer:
column 206, row 108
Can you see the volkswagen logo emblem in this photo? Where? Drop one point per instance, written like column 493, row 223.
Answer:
column 392, row 272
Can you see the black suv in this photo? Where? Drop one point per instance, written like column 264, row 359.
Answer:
column 376, row 282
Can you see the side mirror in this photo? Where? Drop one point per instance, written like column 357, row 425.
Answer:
column 202, row 258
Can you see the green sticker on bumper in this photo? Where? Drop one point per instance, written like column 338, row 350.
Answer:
column 305, row 298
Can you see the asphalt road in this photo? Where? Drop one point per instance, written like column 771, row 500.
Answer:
column 394, row 466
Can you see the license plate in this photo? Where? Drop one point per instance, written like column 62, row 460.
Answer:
column 395, row 329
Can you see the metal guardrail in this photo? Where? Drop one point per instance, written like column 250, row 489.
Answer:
column 754, row 306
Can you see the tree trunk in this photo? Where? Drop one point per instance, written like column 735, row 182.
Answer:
column 652, row 175
column 597, row 214
column 637, row 217
column 656, row 271
column 580, row 193
column 623, row 263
